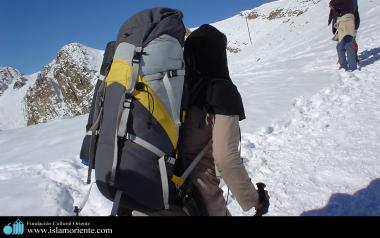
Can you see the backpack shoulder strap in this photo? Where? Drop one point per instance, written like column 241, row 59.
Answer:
column 122, row 130
column 122, row 127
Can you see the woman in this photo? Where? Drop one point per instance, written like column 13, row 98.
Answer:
column 345, row 34
column 213, row 119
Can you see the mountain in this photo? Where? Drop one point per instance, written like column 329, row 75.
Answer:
column 10, row 77
column 311, row 132
column 14, row 86
column 63, row 88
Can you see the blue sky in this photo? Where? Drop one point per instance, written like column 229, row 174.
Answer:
column 32, row 31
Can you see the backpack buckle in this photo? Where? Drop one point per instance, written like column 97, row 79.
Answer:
column 137, row 55
column 172, row 73
column 127, row 103
column 170, row 160
column 136, row 58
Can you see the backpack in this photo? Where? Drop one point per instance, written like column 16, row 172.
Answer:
column 134, row 125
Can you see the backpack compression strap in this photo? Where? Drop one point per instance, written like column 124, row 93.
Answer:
column 94, row 130
column 179, row 181
column 166, row 77
column 116, row 203
column 170, row 93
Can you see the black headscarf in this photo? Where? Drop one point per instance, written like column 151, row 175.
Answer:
column 342, row 7
column 207, row 74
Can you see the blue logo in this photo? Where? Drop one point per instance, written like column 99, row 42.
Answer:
column 16, row 229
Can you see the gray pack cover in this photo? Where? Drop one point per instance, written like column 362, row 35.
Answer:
column 141, row 112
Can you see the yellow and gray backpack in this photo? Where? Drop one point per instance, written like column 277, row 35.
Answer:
column 135, row 119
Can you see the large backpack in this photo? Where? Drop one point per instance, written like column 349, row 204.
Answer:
column 134, row 123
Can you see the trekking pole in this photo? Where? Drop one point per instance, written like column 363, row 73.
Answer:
column 249, row 32
column 89, row 171
column 78, row 209
column 262, row 199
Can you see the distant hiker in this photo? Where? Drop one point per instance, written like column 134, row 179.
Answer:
column 213, row 119
column 344, row 10
column 333, row 18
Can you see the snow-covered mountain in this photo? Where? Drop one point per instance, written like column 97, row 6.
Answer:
column 63, row 88
column 15, row 86
column 10, row 77
column 312, row 132
column 268, row 23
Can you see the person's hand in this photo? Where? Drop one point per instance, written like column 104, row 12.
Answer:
column 260, row 203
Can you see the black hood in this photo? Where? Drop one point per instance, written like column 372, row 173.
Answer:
column 342, row 7
column 205, row 52
column 208, row 80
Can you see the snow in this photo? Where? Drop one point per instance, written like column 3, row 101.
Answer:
column 311, row 132
column 12, row 113
column 330, row 145
column 40, row 172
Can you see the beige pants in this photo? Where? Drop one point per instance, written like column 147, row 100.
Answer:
column 223, row 131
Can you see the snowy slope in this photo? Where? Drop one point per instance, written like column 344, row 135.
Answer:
column 295, row 49
column 323, row 156
column 12, row 111
column 312, row 131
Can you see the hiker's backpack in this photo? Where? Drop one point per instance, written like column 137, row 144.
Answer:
column 135, row 118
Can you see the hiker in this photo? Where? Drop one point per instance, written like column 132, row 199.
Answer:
column 332, row 19
column 344, row 11
column 136, row 132
column 215, row 111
